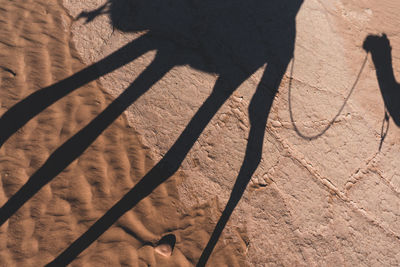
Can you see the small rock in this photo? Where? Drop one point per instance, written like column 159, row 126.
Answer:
column 276, row 124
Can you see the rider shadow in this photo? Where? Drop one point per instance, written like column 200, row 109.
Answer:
column 381, row 52
column 234, row 38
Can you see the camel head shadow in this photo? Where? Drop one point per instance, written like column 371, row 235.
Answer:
column 381, row 52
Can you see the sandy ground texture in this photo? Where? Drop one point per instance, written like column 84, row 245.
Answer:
column 325, row 193
column 40, row 142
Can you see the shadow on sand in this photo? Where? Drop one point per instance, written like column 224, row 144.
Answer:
column 233, row 38
column 381, row 53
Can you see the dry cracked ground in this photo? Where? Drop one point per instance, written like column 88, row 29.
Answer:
column 326, row 192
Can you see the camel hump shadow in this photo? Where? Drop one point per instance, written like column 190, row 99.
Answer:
column 381, row 52
column 249, row 33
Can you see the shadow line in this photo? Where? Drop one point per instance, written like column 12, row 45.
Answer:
column 76, row 145
column 384, row 131
column 164, row 169
column 22, row 112
column 259, row 109
column 327, row 127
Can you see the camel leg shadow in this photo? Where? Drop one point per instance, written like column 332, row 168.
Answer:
column 76, row 145
column 259, row 109
column 164, row 169
column 22, row 112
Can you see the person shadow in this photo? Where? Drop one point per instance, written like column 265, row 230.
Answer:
column 234, row 39
column 381, row 53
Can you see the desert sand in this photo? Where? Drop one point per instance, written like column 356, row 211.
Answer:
column 325, row 192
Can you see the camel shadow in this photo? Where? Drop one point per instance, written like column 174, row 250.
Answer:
column 233, row 38
column 381, row 52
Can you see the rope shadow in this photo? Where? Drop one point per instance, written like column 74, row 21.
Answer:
column 332, row 121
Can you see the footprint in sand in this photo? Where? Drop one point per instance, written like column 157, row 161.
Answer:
column 166, row 245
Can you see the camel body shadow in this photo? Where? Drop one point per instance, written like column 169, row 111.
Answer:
column 234, row 38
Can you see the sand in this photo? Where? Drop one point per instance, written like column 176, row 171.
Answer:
column 36, row 52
